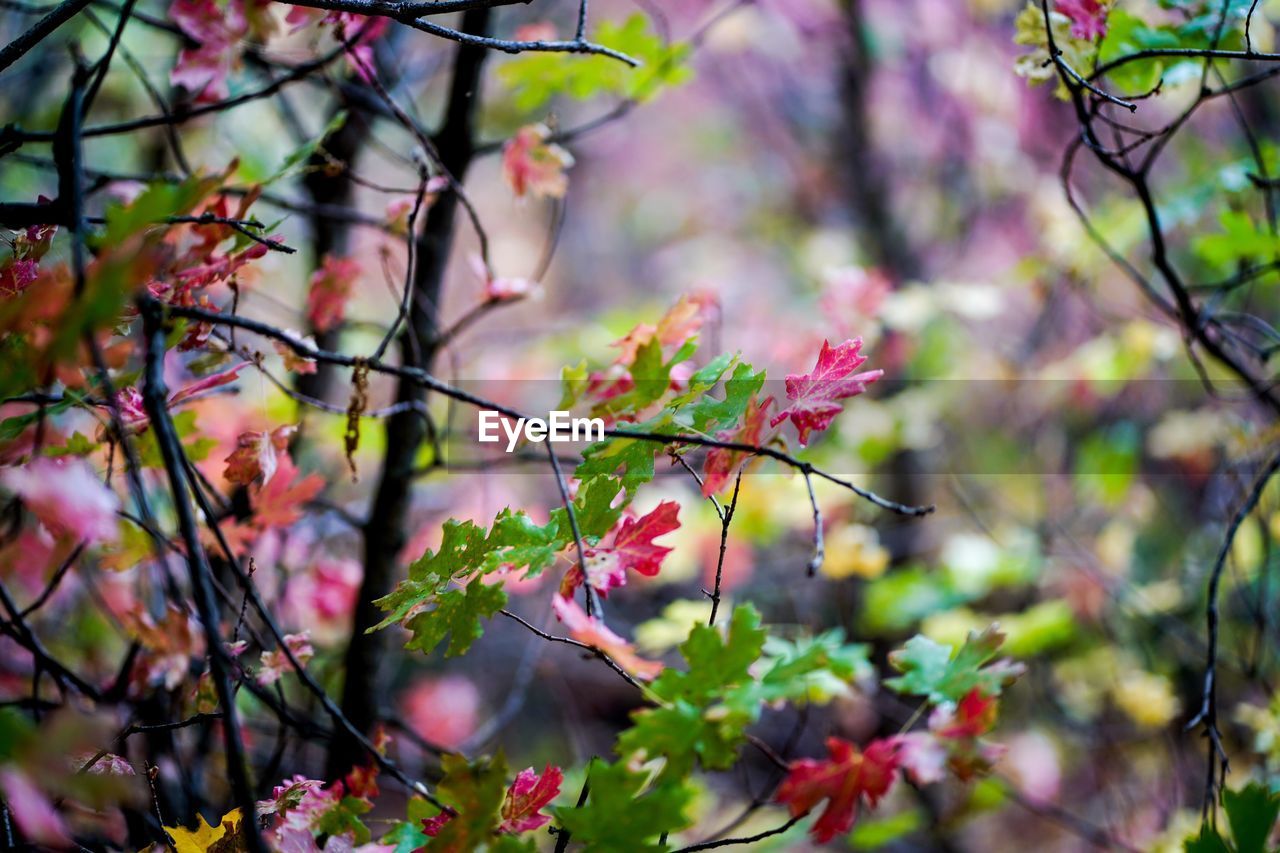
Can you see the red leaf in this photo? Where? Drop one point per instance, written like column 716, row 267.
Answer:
column 534, row 166
column 331, row 286
column 279, row 502
column 815, row 396
column 844, row 778
column 526, row 796
column 208, row 383
column 974, row 716
column 632, row 548
column 722, row 464
column 216, row 31
column 255, row 455
column 633, row 540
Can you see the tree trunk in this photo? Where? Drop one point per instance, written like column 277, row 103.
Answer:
column 384, row 533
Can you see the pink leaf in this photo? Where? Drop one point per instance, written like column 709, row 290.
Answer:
column 592, row 632
column 32, row 811
column 533, row 166
column 723, row 463
column 208, row 383
column 1088, row 17
column 815, row 396
column 275, row 663
column 68, row 498
column 331, row 287
column 217, row 31
column 923, row 756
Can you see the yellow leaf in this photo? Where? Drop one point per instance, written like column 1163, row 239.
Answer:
column 206, row 837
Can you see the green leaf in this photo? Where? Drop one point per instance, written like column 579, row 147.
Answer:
column 695, row 723
column 475, row 791
column 458, row 614
column 929, row 668
column 11, row 428
column 537, row 78
column 77, row 445
column 1208, row 841
column 622, row 814
column 812, row 669
column 1252, row 812
column 517, row 541
column 298, row 158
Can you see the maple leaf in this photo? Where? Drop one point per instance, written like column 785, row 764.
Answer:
column 844, row 779
column 205, row 836
column 68, row 498
column 292, row 361
column 627, row 811
column 930, row 669
column 631, row 548
column 591, row 631
column 972, row 716
column 203, row 69
column 681, row 322
column 255, row 455
column 279, row 502
column 533, row 166
column 923, row 756
column 331, row 287
column 275, row 663
column 723, row 464
column 33, row 811
column 633, row 541
column 1088, row 17
column 207, row 383
column 521, row 810
column 815, row 396
column 16, row 275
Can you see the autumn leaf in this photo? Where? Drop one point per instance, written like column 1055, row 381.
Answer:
column 533, row 166
column 528, row 794
column 632, row 548
column 206, row 837
column 591, row 631
column 331, row 287
column 255, row 455
column 815, row 396
column 275, row 663
column 216, row 33
column 292, row 361
column 68, row 498
column 1088, row 17
column 279, row 503
column 723, row 464
column 845, row 779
